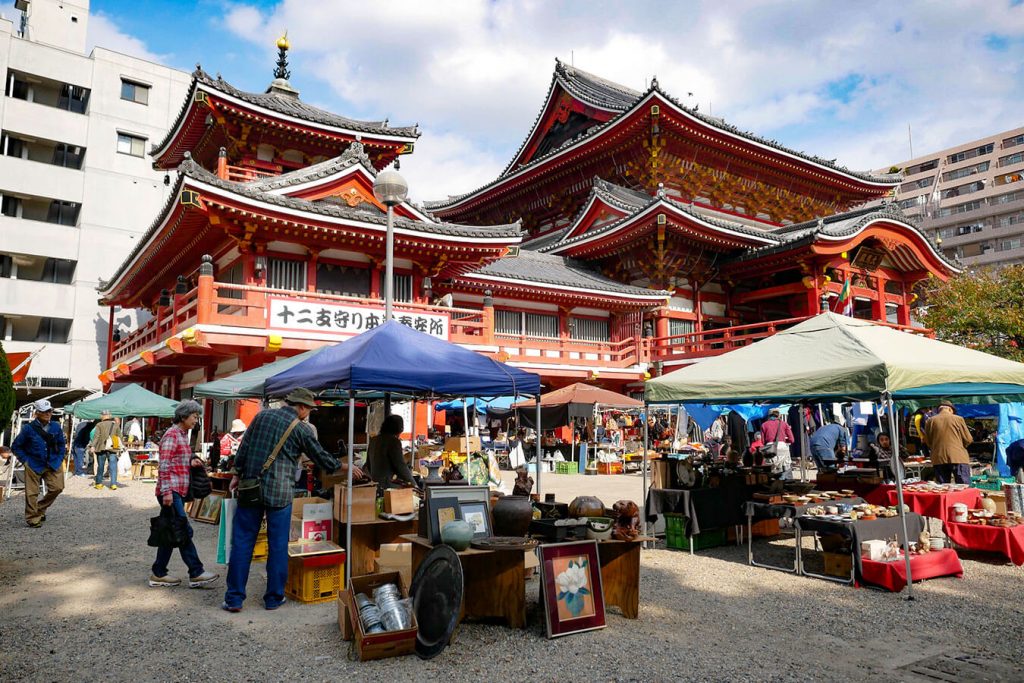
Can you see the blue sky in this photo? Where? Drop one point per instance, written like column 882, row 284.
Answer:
column 840, row 80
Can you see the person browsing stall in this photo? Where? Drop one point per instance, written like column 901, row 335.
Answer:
column 826, row 442
column 268, row 455
column 41, row 447
column 385, row 458
column 172, row 487
column 948, row 439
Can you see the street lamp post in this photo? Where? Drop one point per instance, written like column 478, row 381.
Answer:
column 390, row 189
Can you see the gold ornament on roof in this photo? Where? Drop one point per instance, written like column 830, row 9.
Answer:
column 282, row 42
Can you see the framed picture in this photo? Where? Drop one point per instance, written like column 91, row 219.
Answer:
column 570, row 576
column 440, row 511
column 477, row 514
column 464, row 495
column 209, row 509
column 192, row 508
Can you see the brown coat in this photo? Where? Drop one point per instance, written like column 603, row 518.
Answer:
column 948, row 438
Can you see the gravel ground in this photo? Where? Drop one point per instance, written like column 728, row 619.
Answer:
column 74, row 605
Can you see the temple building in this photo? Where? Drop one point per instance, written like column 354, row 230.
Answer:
column 629, row 235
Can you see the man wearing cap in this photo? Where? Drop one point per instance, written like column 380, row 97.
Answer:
column 102, row 444
column 41, row 446
column 948, row 438
column 277, row 483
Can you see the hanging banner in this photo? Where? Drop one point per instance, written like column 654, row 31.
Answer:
column 347, row 321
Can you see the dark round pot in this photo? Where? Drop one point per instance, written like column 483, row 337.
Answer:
column 512, row 516
column 586, row 506
column 432, row 475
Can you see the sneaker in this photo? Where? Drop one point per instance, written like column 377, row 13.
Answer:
column 43, row 519
column 273, row 607
column 204, row 579
column 163, row 581
column 227, row 608
column 113, row 487
column 35, row 525
column 99, row 487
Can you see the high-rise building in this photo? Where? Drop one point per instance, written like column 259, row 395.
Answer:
column 971, row 197
column 76, row 185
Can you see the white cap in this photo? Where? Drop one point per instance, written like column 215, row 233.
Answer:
column 237, row 426
column 42, row 406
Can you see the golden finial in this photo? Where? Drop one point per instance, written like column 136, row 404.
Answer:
column 282, row 42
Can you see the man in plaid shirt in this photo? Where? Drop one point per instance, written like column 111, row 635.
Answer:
column 278, row 489
column 172, row 485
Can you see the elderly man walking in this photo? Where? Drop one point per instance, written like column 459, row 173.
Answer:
column 268, row 454
column 104, row 445
column 41, row 446
column 948, row 439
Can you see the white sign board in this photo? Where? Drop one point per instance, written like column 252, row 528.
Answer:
column 347, row 321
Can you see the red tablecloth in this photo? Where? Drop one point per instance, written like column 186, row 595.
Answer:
column 893, row 575
column 937, row 504
column 1008, row 541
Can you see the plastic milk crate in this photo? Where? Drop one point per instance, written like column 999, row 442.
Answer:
column 567, row 467
column 676, row 539
column 316, row 578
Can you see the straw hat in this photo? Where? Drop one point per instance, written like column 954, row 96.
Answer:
column 237, row 426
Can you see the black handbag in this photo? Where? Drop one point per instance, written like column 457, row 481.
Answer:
column 167, row 530
column 199, row 486
column 250, row 491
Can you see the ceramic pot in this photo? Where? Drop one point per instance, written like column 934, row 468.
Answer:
column 586, row 506
column 458, row 534
column 432, row 475
column 987, row 503
column 512, row 515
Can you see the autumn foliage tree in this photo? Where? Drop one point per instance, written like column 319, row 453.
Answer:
column 981, row 310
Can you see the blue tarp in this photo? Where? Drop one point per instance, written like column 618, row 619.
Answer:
column 396, row 358
column 705, row 413
column 482, row 404
column 1011, row 428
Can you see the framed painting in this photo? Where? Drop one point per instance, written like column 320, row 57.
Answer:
column 477, row 514
column 192, row 508
column 571, row 584
column 209, row 509
column 464, row 495
column 440, row 511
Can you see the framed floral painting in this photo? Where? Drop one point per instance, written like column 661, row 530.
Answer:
column 571, row 584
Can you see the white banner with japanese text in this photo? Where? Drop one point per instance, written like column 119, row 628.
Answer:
column 318, row 316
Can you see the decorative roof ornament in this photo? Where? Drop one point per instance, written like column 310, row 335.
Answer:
column 357, row 152
column 654, row 82
column 661, row 190
column 282, row 58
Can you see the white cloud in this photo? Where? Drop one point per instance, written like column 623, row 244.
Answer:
column 474, row 73
column 103, row 32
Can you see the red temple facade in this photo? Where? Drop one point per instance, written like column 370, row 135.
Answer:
column 628, row 236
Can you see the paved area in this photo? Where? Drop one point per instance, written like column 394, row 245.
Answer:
column 74, row 606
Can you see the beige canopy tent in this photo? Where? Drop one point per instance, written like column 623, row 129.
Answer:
column 834, row 357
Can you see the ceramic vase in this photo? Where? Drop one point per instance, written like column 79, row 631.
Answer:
column 458, row 534
column 586, row 506
column 432, row 469
column 512, row 515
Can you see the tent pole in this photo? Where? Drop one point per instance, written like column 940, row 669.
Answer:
column 538, row 449
column 412, row 437
column 804, row 442
column 465, row 430
column 643, row 465
column 894, row 435
column 348, row 498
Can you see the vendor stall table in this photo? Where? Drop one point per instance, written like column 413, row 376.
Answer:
column 857, row 531
column 367, row 538
column 935, row 505
column 494, row 581
column 705, row 508
column 620, row 574
column 756, row 510
column 1008, row 541
column 893, row 575
column 868, row 488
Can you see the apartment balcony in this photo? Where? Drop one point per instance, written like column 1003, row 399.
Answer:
column 26, row 177
column 36, row 298
column 43, row 121
column 38, row 238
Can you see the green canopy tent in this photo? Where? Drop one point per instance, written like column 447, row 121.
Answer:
column 251, row 383
column 834, row 357
column 129, row 400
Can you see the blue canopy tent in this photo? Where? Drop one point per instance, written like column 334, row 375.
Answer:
column 395, row 358
column 481, row 404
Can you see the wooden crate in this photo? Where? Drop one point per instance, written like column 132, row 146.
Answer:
column 379, row 645
column 316, row 578
column 609, row 468
column 398, row 501
column 766, row 528
column 839, row 565
column 364, row 503
column 344, row 620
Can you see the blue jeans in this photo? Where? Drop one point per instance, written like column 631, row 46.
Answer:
column 79, row 460
column 824, row 458
column 189, row 554
column 244, row 529
column 110, row 458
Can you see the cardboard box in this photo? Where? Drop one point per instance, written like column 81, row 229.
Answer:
column 459, row 444
column 311, row 518
column 329, row 481
column 389, row 643
column 398, row 501
column 530, row 562
column 999, row 498
column 766, row 528
column 839, row 565
column 364, row 503
column 872, row 550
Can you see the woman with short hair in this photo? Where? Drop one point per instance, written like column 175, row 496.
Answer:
column 384, row 453
column 172, row 484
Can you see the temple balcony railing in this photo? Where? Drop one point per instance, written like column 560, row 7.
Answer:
column 695, row 345
column 522, row 349
column 244, row 174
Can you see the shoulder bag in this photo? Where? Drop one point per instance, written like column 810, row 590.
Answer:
column 771, row 449
column 167, row 530
column 250, row 491
column 199, row 486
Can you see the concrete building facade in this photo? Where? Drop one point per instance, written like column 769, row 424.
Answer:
column 971, row 197
column 77, row 187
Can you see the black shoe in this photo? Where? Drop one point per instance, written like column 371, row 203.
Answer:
column 43, row 519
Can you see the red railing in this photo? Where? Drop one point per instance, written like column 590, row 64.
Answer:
column 523, row 349
column 243, row 174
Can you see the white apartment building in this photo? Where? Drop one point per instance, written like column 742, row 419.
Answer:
column 76, row 185
column 970, row 198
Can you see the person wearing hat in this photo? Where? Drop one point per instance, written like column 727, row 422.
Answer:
column 948, row 439
column 103, row 444
column 41, row 447
column 230, row 441
column 253, row 460
column 777, row 437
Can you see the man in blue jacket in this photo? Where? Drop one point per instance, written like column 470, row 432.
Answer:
column 41, row 447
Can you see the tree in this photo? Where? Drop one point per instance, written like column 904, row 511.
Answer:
column 6, row 391
column 981, row 310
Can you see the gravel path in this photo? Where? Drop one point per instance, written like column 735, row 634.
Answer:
column 74, row 605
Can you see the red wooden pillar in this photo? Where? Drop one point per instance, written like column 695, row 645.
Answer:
column 314, row 257
column 699, row 326
column 878, row 310
column 376, row 277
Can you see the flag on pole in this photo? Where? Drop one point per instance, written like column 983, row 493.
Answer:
column 844, row 304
